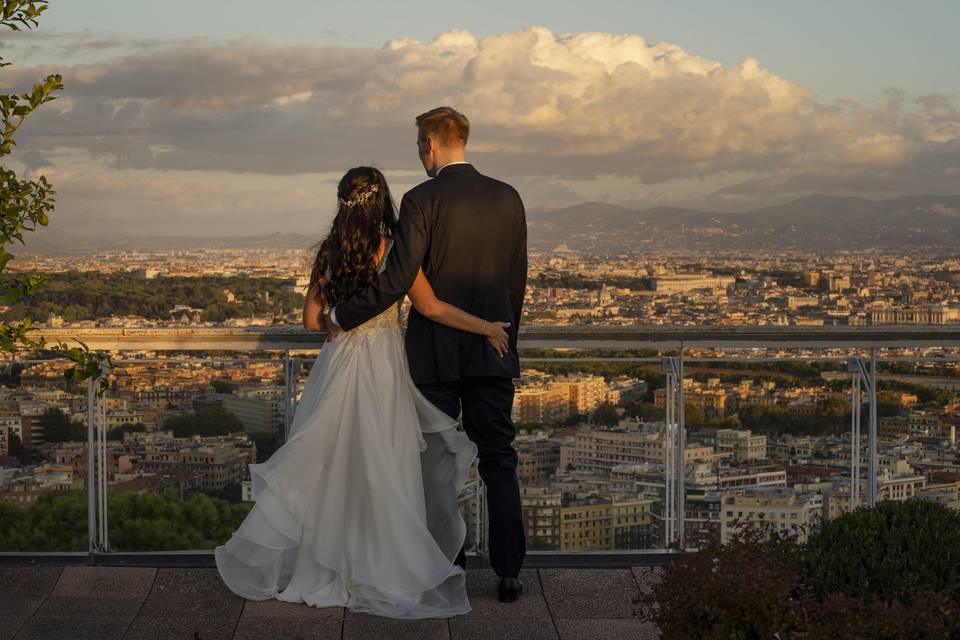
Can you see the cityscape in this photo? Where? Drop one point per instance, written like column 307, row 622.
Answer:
column 768, row 439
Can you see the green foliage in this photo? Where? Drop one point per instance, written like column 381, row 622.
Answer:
column 90, row 295
column 887, row 551
column 117, row 432
column 606, row 414
column 161, row 521
column 694, row 417
column 15, row 446
column 138, row 522
column 644, row 411
column 889, row 572
column 17, row 13
column 52, row 523
column 26, row 204
column 266, row 443
column 832, row 415
column 209, row 421
column 58, row 427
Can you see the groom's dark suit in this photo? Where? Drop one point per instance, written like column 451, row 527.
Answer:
column 469, row 234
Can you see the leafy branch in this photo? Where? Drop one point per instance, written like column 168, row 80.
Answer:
column 26, row 204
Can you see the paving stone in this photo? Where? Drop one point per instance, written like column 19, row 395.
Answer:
column 147, row 628
column 89, row 607
column 482, row 590
column 604, row 628
column 276, row 609
column 590, row 593
column 471, row 628
column 14, row 611
column 360, row 626
column 86, row 628
column 193, row 608
column 289, row 629
column 28, row 581
column 18, row 606
column 105, row 582
column 192, row 582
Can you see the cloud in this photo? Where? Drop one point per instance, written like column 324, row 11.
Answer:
column 565, row 110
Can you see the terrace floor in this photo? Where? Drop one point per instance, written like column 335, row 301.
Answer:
column 101, row 603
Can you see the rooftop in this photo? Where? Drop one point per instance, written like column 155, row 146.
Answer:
column 192, row 603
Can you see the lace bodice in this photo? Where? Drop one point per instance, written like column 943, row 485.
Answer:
column 386, row 320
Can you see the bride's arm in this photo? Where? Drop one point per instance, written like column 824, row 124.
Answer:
column 426, row 302
column 313, row 311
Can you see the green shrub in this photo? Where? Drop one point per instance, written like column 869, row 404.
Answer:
column 887, row 552
column 891, row 572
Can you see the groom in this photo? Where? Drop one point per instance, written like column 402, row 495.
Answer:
column 469, row 234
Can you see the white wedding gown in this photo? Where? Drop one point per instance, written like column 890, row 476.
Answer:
column 359, row 507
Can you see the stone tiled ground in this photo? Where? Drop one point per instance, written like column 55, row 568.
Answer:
column 126, row 603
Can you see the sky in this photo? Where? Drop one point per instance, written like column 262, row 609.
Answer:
column 214, row 117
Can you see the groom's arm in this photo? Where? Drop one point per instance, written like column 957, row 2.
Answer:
column 518, row 274
column 403, row 263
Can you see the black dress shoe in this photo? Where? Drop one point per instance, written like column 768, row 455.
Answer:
column 510, row 589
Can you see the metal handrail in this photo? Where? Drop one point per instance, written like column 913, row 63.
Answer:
column 282, row 337
column 293, row 339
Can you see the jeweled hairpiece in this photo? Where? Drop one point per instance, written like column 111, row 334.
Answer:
column 359, row 197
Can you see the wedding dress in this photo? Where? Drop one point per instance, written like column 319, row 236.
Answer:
column 359, row 507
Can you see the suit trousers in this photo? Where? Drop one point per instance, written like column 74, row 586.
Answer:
column 486, row 403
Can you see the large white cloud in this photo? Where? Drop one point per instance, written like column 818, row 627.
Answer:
column 546, row 108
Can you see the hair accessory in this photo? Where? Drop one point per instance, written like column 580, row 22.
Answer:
column 359, row 197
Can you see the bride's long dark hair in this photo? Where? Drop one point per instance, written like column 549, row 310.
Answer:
column 365, row 211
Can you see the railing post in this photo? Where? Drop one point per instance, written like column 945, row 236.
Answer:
column 867, row 378
column 668, row 440
column 91, row 458
column 287, row 405
column 294, row 372
column 674, row 437
column 854, row 368
column 872, row 433
column 681, row 454
column 102, row 454
column 97, row 529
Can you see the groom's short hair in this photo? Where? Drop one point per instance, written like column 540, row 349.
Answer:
column 446, row 125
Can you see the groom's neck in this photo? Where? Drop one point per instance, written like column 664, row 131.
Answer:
column 450, row 155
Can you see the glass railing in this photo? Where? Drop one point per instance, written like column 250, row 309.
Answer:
column 630, row 440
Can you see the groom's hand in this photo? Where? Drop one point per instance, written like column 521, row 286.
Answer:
column 333, row 329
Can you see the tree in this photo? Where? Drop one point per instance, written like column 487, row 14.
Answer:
column 694, row 417
column 607, row 415
column 16, row 447
column 26, row 204
column 209, row 421
column 644, row 411
column 55, row 425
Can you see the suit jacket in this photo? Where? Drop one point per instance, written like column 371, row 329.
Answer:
column 469, row 232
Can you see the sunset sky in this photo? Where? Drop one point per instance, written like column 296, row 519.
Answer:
column 239, row 117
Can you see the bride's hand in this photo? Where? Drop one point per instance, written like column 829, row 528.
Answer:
column 497, row 335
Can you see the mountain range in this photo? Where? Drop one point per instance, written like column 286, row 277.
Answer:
column 815, row 222
column 812, row 222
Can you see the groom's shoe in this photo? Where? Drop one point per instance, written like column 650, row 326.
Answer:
column 510, row 589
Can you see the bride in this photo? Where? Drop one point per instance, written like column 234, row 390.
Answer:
column 359, row 507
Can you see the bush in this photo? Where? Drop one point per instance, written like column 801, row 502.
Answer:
column 924, row 615
column 745, row 589
column 891, row 572
column 890, row 550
